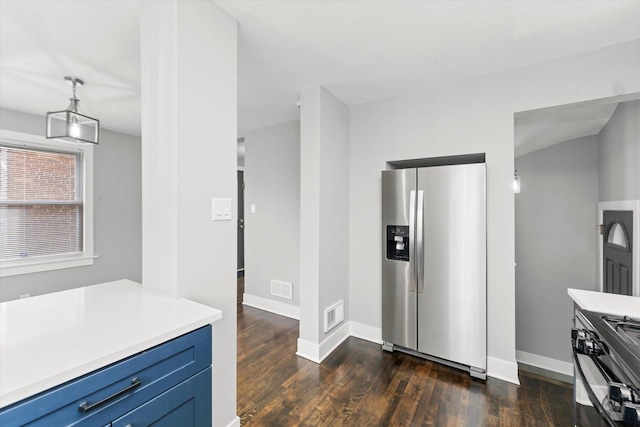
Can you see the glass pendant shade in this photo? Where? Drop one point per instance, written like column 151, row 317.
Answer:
column 516, row 184
column 71, row 126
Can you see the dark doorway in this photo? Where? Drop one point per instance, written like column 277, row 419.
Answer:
column 617, row 252
column 240, row 224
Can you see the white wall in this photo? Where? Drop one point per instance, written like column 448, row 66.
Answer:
column 189, row 90
column 619, row 154
column 309, row 219
column 324, row 213
column 117, row 215
column 469, row 117
column 334, row 205
column 272, row 233
column 556, row 245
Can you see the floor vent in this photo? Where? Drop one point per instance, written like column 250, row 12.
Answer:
column 333, row 315
column 282, row 289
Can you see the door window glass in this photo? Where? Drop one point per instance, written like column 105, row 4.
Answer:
column 617, row 236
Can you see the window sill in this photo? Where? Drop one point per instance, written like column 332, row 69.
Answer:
column 17, row 267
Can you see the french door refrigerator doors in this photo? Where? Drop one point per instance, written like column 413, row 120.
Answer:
column 451, row 264
column 434, row 262
column 399, row 320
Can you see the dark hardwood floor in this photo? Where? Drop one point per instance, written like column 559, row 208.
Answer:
column 360, row 385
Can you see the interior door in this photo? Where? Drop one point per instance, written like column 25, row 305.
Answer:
column 452, row 293
column 617, row 250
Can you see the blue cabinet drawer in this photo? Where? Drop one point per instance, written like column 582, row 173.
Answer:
column 186, row 405
column 106, row 394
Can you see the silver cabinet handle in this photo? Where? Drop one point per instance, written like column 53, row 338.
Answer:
column 85, row 407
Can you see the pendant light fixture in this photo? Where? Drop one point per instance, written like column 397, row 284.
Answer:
column 516, row 182
column 71, row 126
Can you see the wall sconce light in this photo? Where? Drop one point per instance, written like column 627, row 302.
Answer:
column 71, row 126
column 516, row 182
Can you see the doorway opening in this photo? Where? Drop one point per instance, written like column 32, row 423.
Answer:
column 569, row 158
column 618, row 255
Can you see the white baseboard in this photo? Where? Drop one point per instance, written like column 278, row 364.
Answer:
column 334, row 340
column 554, row 365
column 365, row 332
column 496, row 368
column 503, row 370
column 276, row 307
column 235, row 422
column 318, row 352
column 308, row 350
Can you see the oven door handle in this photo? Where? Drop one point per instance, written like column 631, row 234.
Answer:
column 592, row 397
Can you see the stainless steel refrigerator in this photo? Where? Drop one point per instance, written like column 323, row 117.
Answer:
column 434, row 264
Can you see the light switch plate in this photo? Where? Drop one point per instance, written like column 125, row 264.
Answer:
column 221, row 209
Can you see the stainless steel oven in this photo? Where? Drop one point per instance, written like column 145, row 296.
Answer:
column 606, row 356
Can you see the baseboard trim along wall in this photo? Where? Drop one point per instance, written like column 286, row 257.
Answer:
column 365, row 332
column 276, row 307
column 308, row 350
column 546, row 363
column 318, row 352
column 503, row 370
column 496, row 368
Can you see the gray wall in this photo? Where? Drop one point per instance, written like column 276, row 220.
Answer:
column 619, row 154
column 467, row 117
column 556, row 241
column 272, row 234
column 117, row 215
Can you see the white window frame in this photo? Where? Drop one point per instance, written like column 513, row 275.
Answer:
column 56, row 262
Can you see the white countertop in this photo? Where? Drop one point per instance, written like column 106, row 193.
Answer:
column 49, row 339
column 600, row 302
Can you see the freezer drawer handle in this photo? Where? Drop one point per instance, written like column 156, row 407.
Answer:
column 85, row 407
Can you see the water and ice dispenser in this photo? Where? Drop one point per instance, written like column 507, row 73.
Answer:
column 398, row 242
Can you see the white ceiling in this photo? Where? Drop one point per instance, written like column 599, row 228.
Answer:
column 540, row 129
column 41, row 41
column 360, row 50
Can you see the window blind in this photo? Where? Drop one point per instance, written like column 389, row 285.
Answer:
column 40, row 203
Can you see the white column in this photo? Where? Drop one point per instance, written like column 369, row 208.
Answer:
column 324, row 219
column 189, row 80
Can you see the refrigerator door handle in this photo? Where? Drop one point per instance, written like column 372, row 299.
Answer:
column 412, row 222
column 419, row 242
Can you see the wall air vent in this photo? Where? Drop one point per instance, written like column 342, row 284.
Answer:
column 333, row 315
column 282, row 289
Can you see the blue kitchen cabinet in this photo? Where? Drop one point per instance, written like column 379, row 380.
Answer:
column 170, row 380
column 186, row 405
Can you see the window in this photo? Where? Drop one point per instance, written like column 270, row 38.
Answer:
column 617, row 235
column 45, row 211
